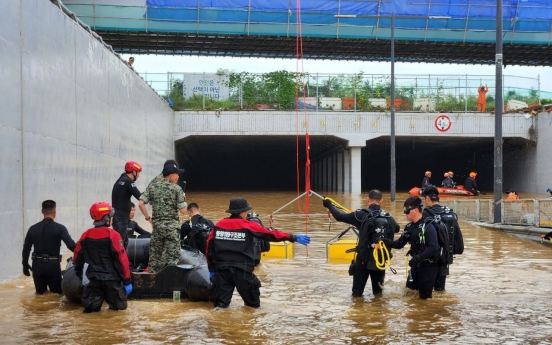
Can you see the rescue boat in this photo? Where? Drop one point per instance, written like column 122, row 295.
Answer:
column 458, row 191
column 190, row 276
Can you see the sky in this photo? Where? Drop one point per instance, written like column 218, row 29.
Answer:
column 168, row 63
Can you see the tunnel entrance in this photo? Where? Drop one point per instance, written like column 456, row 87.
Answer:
column 268, row 163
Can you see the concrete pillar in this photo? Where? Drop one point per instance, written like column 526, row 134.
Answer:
column 356, row 169
column 339, row 172
column 325, row 174
column 346, row 170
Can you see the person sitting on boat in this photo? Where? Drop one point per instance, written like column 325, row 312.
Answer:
column 194, row 232
column 134, row 227
column 231, row 255
column 448, row 182
column 425, row 181
column 512, row 195
column 470, row 184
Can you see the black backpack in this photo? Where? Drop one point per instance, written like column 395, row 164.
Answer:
column 445, row 238
column 374, row 227
column 197, row 238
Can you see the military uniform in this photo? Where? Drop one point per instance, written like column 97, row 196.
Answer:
column 166, row 199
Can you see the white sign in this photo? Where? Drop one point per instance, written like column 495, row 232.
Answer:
column 211, row 85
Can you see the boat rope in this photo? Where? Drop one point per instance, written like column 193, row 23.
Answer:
column 385, row 261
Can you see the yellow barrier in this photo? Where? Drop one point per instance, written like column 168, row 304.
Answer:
column 279, row 250
column 337, row 250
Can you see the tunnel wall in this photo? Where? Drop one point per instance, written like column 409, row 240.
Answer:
column 528, row 169
column 72, row 114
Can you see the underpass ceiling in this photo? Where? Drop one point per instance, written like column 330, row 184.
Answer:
column 138, row 42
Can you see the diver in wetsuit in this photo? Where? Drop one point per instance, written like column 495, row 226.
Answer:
column 45, row 237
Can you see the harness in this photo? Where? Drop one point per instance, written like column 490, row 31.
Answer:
column 45, row 257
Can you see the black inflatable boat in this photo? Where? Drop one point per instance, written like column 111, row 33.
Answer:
column 190, row 276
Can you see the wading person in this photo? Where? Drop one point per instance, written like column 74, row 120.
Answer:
column 424, row 248
column 449, row 219
column 373, row 224
column 231, row 257
column 195, row 231
column 45, row 237
column 123, row 189
column 101, row 257
column 166, row 199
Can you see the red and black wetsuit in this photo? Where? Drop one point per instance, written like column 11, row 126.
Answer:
column 108, row 270
column 230, row 253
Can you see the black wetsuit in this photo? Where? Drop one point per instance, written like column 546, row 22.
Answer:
column 194, row 232
column 46, row 236
column 134, row 227
column 426, row 247
column 456, row 241
column 364, row 264
column 123, row 189
column 448, row 183
column 471, row 186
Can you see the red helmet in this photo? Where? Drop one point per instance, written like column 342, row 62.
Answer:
column 100, row 209
column 131, row 166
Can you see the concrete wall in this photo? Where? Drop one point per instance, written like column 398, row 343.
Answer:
column 529, row 169
column 71, row 114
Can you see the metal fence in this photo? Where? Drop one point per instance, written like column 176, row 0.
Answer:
column 528, row 212
column 363, row 92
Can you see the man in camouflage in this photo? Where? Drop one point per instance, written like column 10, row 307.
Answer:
column 166, row 198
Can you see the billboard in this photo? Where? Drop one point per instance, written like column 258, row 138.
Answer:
column 210, row 85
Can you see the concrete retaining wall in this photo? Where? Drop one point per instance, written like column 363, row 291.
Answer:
column 72, row 114
column 529, row 168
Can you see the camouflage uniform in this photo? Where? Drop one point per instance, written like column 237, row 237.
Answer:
column 166, row 199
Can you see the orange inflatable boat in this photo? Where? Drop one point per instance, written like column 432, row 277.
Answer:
column 459, row 190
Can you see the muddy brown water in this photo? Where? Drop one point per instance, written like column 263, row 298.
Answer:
column 499, row 292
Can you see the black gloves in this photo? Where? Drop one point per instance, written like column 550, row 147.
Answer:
column 415, row 261
column 386, row 241
column 26, row 268
column 326, row 203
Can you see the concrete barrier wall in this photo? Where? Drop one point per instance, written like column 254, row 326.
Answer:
column 72, row 114
column 529, row 168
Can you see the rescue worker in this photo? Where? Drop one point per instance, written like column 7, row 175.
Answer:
column 45, row 237
column 230, row 254
column 423, row 248
column 470, row 184
column 134, row 227
column 431, row 200
column 365, row 265
column 425, row 181
column 482, row 98
column 159, row 178
column 448, row 182
column 167, row 199
column 512, row 195
column 101, row 258
column 195, row 231
column 123, row 189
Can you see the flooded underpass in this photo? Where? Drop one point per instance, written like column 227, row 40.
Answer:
column 498, row 292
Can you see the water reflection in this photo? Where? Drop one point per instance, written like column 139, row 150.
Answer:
column 498, row 292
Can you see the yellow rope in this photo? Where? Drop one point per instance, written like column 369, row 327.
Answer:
column 385, row 261
column 338, row 205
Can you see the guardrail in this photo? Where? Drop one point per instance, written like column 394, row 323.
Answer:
column 352, row 92
column 527, row 212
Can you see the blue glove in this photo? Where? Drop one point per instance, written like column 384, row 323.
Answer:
column 212, row 275
column 128, row 289
column 303, row 239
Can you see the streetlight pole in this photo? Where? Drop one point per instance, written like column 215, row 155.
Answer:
column 393, row 161
column 498, row 118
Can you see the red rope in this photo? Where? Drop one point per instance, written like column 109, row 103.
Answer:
column 299, row 77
